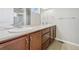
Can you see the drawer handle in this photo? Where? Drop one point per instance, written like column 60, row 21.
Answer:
column 27, row 41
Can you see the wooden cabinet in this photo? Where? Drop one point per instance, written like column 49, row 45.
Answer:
column 45, row 45
column 53, row 33
column 45, row 38
column 27, row 43
column 44, row 31
column 35, row 41
column 16, row 44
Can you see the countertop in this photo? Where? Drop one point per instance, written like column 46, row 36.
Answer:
column 6, row 35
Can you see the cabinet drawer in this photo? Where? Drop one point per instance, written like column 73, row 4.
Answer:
column 45, row 30
column 45, row 37
column 45, row 45
column 53, row 32
column 16, row 44
column 35, row 41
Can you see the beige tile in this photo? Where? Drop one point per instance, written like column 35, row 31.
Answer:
column 57, row 45
column 67, row 46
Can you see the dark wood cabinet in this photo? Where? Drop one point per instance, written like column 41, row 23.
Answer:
column 45, row 45
column 53, row 33
column 54, row 30
column 27, row 43
column 35, row 41
column 45, row 38
column 16, row 44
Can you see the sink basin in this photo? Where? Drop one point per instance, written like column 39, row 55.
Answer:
column 15, row 30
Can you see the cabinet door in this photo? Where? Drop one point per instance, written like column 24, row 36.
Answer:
column 16, row 44
column 27, row 42
column 35, row 41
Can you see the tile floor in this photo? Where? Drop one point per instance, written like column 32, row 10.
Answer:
column 57, row 45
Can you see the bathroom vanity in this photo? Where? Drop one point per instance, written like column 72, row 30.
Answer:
column 37, row 38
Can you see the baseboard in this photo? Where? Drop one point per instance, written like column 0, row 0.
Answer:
column 75, row 44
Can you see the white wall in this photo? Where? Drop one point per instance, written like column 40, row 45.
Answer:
column 6, row 16
column 35, row 17
column 67, row 21
column 47, row 17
